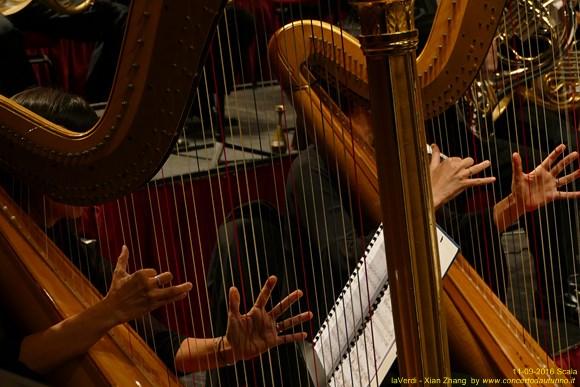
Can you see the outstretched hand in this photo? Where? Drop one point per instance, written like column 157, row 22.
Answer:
column 257, row 331
column 542, row 185
column 453, row 175
column 133, row 295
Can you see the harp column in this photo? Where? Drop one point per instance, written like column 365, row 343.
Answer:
column 389, row 41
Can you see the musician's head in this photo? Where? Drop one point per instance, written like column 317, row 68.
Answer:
column 69, row 111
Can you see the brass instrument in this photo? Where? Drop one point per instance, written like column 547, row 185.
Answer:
column 557, row 90
column 68, row 6
column 9, row 7
column 537, row 58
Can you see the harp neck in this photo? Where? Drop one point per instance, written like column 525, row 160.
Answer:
column 160, row 66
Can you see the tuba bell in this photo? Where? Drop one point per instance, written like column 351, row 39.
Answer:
column 68, row 6
column 536, row 58
column 9, row 7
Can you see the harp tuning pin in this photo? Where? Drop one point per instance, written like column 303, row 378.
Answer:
column 279, row 143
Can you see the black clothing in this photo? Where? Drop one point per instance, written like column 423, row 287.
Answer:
column 248, row 250
column 335, row 243
column 320, row 264
column 533, row 132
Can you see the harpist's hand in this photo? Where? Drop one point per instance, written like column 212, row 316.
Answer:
column 453, row 175
column 542, row 185
column 133, row 295
column 255, row 332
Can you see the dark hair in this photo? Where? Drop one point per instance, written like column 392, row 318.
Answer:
column 58, row 106
column 62, row 108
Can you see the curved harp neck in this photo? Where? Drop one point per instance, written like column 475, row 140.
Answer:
column 159, row 68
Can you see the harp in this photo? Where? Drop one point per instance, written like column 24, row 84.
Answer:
column 35, row 268
column 52, row 289
column 319, row 62
column 148, row 95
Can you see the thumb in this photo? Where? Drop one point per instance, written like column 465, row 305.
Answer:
column 234, row 308
column 516, row 166
column 435, row 157
column 122, row 260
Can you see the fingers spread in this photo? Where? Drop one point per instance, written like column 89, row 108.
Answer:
column 562, row 164
column 172, row 293
column 562, row 181
column 475, row 169
column 265, row 293
column 568, row 195
column 467, row 162
column 480, row 181
column 548, row 161
column 291, row 338
column 283, row 305
column 294, row 320
column 146, row 274
column 516, row 165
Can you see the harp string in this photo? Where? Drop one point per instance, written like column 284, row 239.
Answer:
column 547, row 245
column 348, row 197
column 300, row 258
column 36, row 209
column 370, row 356
column 180, row 272
column 301, row 261
column 526, row 156
column 538, row 240
column 228, row 183
column 227, row 194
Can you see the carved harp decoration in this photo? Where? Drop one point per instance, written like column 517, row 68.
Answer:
column 310, row 51
column 158, row 71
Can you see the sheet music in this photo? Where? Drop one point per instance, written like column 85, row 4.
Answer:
column 368, row 278
column 356, row 350
column 374, row 348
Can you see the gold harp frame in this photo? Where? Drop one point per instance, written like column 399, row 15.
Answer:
column 490, row 333
column 161, row 61
column 159, row 67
